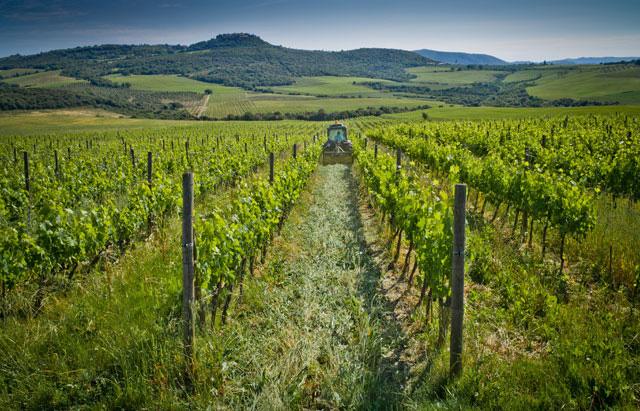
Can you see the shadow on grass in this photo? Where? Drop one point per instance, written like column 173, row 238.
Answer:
column 387, row 372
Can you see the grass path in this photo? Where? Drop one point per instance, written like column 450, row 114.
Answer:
column 323, row 338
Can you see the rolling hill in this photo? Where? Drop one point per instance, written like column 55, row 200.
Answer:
column 239, row 59
column 460, row 58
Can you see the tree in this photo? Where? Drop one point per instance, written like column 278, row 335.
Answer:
column 208, row 91
column 425, row 116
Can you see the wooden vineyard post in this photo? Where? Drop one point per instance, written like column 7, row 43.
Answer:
column 245, row 148
column 398, row 160
column 457, row 279
column 149, row 167
column 188, row 286
column 610, row 261
column 68, row 153
column 133, row 157
column 265, row 143
column 55, row 154
column 295, row 151
column 15, row 155
column 365, row 143
column 27, row 183
column 271, row 167
column 375, row 151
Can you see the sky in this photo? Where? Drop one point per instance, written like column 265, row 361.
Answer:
column 510, row 30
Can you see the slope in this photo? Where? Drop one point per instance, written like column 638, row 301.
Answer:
column 460, row 58
column 239, row 59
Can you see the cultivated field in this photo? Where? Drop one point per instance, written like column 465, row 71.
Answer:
column 42, row 79
column 326, row 286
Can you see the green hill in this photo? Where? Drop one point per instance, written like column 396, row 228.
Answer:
column 243, row 60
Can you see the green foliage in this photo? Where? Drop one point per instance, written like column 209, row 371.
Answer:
column 226, row 237
column 102, row 199
column 424, row 215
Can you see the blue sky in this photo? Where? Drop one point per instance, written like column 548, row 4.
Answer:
column 510, row 30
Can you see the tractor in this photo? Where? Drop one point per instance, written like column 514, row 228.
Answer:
column 338, row 149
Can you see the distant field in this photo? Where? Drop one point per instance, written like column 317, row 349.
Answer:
column 332, row 86
column 602, row 83
column 477, row 113
column 169, row 83
column 74, row 120
column 12, row 72
column 42, row 79
column 440, row 75
column 332, row 104
column 233, row 103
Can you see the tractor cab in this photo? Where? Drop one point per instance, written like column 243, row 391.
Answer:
column 338, row 149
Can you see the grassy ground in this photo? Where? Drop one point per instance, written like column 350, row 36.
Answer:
column 171, row 83
column 431, row 74
column 594, row 83
column 319, row 335
column 333, row 104
column 476, row 113
column 11, row 72
column 601, row 83
column 73, row 120
column 331, row 86
column 43, row 79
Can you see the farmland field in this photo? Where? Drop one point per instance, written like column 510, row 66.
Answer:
column 431, row 74
column 597, row 83
column 601, row 83
column 70, row 121
column 11, row 72
column 333, row 104
column 331, row 86
column 477, row 113
column 369, row 206
column 42, row 79
column 324, row 273
column 170, row 83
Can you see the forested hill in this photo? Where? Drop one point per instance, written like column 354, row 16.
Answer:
column 231, row 59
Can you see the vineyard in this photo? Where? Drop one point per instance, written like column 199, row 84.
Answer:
column 325, row 287
column 235, row 104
